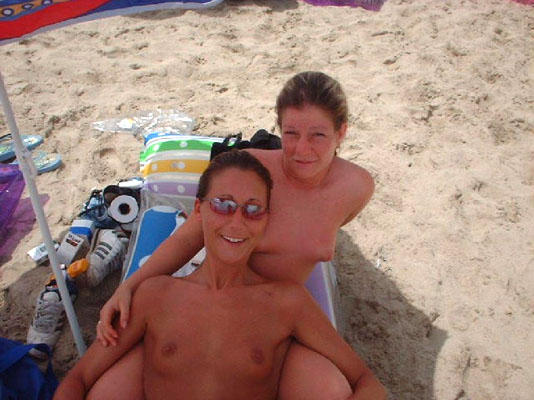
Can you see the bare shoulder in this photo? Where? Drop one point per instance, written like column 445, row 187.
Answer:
column 354, row 173
column 356, row 184
column 152, row 288
column 291, row 294
column 267, row 157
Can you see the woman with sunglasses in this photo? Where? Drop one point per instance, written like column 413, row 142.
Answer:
column 315, row 193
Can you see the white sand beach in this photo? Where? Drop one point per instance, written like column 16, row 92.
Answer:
column 437, row 272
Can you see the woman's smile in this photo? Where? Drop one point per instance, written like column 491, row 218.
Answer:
column 232, row 233
column 233, row 239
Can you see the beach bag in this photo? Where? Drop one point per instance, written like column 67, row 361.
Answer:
column 261, row 140
column 20, row 377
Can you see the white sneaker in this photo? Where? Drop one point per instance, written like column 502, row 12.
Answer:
column 107, row 256
column 48, row 318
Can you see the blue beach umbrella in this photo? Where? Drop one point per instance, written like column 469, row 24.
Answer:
column 22, row 18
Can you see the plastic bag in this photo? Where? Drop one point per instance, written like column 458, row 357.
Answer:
column 171, row 121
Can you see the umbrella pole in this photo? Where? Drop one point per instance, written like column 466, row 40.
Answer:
column 28, row 170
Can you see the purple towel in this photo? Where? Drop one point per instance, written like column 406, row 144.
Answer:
column 11, row 187
column 372, row 5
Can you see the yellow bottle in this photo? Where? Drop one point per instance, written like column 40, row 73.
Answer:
column 78, row 267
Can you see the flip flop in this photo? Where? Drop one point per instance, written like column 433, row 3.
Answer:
column 7, row 147
column 44, row 162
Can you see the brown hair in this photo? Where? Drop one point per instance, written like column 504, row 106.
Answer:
column 239, row 159
column 314, row 88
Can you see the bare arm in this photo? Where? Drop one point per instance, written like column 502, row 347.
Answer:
column 170, row 256
column 314, row 330
column 98, row 359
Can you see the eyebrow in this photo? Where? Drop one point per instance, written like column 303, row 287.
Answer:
column 232, row 197
column 314, row 127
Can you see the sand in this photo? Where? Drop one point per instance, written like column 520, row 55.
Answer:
column 437, row 272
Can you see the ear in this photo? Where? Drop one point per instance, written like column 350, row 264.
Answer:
column 196, row 209
column 341, row 133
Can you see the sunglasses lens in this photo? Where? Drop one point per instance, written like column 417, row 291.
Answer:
column 253, row 211
column 229, row 207
column 224, row 207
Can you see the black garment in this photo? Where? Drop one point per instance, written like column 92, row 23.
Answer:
column 261, row 140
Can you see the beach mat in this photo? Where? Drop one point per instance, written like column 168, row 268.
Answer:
column 20, row 18
column 155, row 225
column 371, row 5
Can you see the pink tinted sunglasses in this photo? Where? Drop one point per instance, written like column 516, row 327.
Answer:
column 229, row 207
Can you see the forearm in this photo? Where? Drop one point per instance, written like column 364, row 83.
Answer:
column 369, row 387
column 71, row 388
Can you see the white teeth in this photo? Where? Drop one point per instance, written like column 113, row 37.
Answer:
column 233, row 240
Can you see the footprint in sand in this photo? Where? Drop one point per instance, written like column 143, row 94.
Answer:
column 107, row 164
column 510, row 212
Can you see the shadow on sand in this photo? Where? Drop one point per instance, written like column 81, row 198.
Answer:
column 222, row 10
column 397, row 340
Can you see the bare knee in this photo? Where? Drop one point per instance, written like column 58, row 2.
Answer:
column 307, row 375
column 123, row 381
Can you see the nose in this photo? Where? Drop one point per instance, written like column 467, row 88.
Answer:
column 237, row 218
column 302, row 147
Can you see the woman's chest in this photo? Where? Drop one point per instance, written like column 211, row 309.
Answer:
column 219, row 341
column 303, row 225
